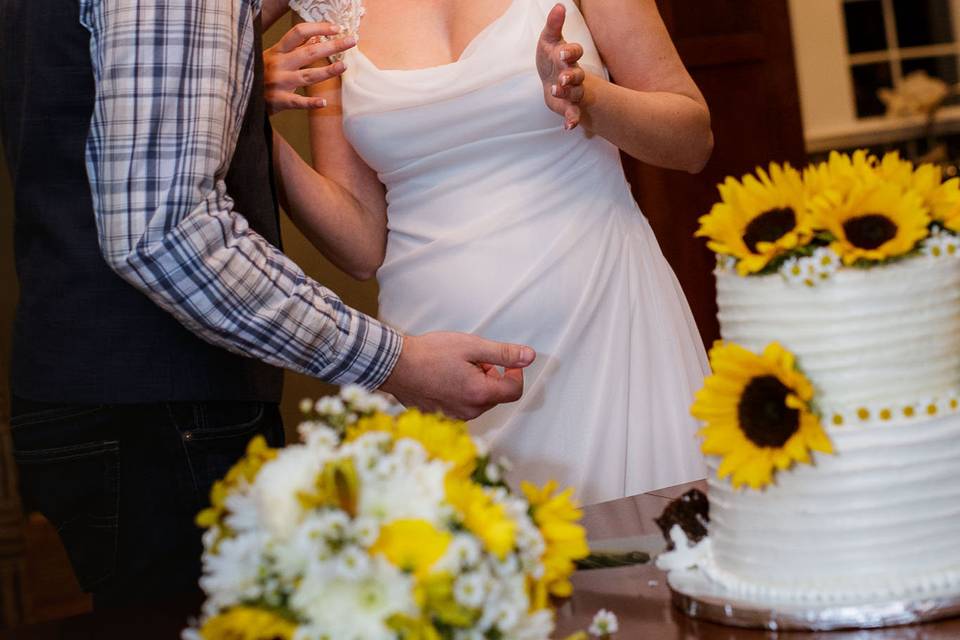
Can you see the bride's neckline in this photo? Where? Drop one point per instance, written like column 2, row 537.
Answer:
column 463, row 54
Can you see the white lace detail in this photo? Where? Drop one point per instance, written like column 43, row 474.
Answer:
column 344, row 13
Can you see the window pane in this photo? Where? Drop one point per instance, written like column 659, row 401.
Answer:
column 944, row 67
column 865, row 30
column 921, row 22
column 868, row 79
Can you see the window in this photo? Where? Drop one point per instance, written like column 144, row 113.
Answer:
column 889, row 39
column 847, row 50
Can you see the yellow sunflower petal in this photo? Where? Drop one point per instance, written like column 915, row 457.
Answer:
column 756, row 414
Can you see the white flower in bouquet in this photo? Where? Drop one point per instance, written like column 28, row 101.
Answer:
column 463, row 554
column 330, row 406
column 354, row 608
column 232, row 575
column 534, row 627
column 278, row 486
column 384, row 524
column 318, row 437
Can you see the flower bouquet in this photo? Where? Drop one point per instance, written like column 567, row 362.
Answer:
column 386, row 524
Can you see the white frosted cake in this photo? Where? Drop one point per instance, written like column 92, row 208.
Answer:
column 832, row 419
column 882, row 514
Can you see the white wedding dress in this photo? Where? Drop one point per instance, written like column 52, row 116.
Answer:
column 504, row 225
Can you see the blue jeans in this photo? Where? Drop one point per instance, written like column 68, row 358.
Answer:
column 123, row 483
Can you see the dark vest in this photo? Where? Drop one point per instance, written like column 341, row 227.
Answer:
column 81, row 333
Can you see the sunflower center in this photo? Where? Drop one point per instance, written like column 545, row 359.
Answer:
column 869, row 231
column 769, row 226
column 764, row 416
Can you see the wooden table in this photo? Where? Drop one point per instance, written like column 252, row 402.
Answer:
column 640, row 597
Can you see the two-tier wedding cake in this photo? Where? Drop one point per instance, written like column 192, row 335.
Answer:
column 832, row 418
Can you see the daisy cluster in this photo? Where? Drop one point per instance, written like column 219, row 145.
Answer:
column 941, row 244
column 809, row 270
column 382, row 524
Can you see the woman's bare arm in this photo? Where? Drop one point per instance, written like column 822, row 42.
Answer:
column 335, row 159
column 346, row 223
column 334, row 221
column 652, row 110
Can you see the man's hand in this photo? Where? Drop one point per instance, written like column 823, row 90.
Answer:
column 559, row 69
column 457, row 374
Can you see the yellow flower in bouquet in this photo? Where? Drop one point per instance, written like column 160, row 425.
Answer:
column 412, row 545
column 482, row 516
column 757, row 414
column 443, row 439
column 243, row 472
column 758, row 218
column 558, row 516
column 247, row 623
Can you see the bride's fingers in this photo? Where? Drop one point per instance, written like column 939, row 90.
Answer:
column 574, row 95
column 571, row 117
column 314, row 75
column 303, row 32
column 296, row 101
column 572, row 77
column 571, row 95
column 279, row 86
column 314, row 53
column 553, row 30
column 570, row 52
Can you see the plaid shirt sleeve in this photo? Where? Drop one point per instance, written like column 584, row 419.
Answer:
column 173, row 78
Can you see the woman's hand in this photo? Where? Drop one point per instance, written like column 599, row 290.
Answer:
column 560, row 72
column 288, row 65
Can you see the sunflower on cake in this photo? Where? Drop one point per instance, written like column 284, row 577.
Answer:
column 831, row 419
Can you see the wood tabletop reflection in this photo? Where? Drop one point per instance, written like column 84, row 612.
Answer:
column 640, row 597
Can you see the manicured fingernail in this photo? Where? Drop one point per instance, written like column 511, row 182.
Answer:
column 527, row 355
column 564, row 81
column 569, row 125
column 323, row 102
column 564, row 54
column 553, row 90
column 349, row 42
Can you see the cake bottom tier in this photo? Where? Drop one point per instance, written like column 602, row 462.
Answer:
column 879, row 519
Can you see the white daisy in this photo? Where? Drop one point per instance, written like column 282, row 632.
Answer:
column 470, row 590
column 604, row 624
column 330, row 406
column 278, row 485
column 335, row 607
column 353, row 563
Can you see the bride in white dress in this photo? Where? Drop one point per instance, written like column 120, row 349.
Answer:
column 475, row 157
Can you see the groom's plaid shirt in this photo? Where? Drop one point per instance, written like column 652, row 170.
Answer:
column 172, row 81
